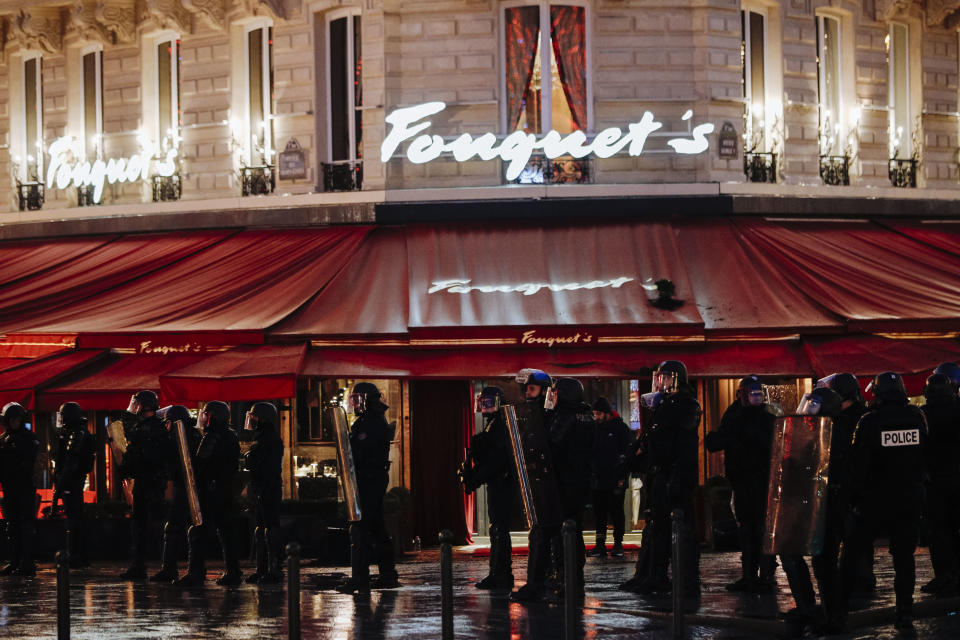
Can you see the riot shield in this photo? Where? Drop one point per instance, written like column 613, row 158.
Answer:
column 531, row 457
column 189, row 480
column 118, row 446
column 797, row 492
column 348, row 472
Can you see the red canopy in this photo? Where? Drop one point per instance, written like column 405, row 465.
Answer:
column 35, row 345
column 244, row 373
column 870, row 355
column 20, row 384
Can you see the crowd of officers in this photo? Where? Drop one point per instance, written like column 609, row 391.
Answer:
column 152, row 459
column 891, row 466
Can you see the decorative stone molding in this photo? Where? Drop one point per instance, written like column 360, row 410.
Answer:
column 245, row 8
column 119, row 18
column 213, row 12
column 37, row 28
column 82, row 24
column 938, row 11
column 157, row 15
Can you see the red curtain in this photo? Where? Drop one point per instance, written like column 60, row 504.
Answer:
column 569, row 35
column 522, row 34
column 442, row 412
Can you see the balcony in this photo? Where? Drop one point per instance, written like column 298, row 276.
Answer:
column 903, row 173
column 30, row 195
column 760, row 167
column 85, row 196
column 835, row 170
column 258, row 181
column 345, row 175
column 167, row 188
column 563, row 170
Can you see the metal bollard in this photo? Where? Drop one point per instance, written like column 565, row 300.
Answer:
column 677, row 523
column 571, row 587
column 293, row 591
column 446, row 585
column 63, row 595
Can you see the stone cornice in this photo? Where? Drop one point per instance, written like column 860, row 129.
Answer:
column 38, row 28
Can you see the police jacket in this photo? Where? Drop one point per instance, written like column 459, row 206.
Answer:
column 611, row 446
column 841, row 446
column 491, row 452
column 570, row 430
column 73, row 457
column 174, row 463
column 216, row 462
column 673, row 442
column 370, row 438
column 888, row 453
column 264, row 460
column 18, row 452
column 745, row 436
column 943, row 448
column 148, row 453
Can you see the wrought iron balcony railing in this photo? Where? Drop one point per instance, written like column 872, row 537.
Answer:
column 167, row 188
column 563, row 170
column 903, row 173
column 760, row 167
column 835, row 170
column 345, row 175
column 256, row 181
column 30, row 195
column 85, row 196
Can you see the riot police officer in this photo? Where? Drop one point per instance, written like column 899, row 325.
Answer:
column 490, row 464
column 215, row 468
column 73, row 459
column 18, row 453
column 264, row 460
column 146, row 462
column 942, row 411
column 745, row 435
column 611, row 444
column 672, row 446
column 370, row 437
column 887, row 486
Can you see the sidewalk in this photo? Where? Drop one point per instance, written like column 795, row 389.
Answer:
column 103, row 606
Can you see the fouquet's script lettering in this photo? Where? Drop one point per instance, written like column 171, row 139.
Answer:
column 147, row 347
column 517, row 148
column 527, row 288
column 531, row 337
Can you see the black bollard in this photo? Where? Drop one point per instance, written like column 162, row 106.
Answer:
column 63, row 595
column 677, row 522
column 446, row 585
column 293, row 590
column 571, row 588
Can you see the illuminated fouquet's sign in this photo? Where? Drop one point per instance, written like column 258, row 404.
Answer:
column 526, row 288
column 65, row 169
column 517, row 148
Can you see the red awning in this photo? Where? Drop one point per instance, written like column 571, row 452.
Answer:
column 244, row 373
column 35, row 345
column 110, row 386
column 870, row 355
column 10, row 363
column 20, row 384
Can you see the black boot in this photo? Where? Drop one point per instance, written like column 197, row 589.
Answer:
column 274, row 557
column 538, row 566
column 494, row 560
column 387, row 578
column 169, row 572
column 196, row 562
column 359, row 581
column 26, row 567
column 13, row 532
column 231, row 561
column 260, row 551
column 600, row 548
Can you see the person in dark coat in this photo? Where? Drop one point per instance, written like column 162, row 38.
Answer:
column 264, row 461
column 73, row 459
column 370, row 437
column 611, row 446
column 887, row 487
column 745, row 436
column 146, row 461
column 492, row 465
column 18, row 453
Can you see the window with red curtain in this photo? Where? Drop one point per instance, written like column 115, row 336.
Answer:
column 545, row 68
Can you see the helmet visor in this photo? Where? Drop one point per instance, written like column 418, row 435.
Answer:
column 251, row 422
column 809, row 405
column 356, row 403
column 59, row 421
column 135, row 405
column 550, row 402
column 664, row 382
column 826, row 383
column 204, row 419
column 756, row 397
column 487, row 404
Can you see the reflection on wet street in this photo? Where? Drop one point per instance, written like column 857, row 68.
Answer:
column 104, row 606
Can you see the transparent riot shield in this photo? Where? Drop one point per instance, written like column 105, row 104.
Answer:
column 797, row 492
column 348, row 472
column 530, row 445
column 118, row 447
column 189, row 480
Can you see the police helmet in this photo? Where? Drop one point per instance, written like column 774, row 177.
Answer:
column 364, row 395
column 489, row 400
column 829, row 400
column 569, row 392
column 888, row 387
column 262, row 415
column 534, row 376
column 846, row 386
column 71, row 415
column 13, row 411
column 939, row 386
column 752, row 391
column 670, row 376
column 951, row 370
column 148, row 400
column 177, row 413
column 218, row 414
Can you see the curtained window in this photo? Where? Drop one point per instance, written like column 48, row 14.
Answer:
column 898, row 51
column 168, row 92
column 31, row 148
column 259, row 71
column 828, row 76
column 545, row 68
column 345, row 89
column 753, row 54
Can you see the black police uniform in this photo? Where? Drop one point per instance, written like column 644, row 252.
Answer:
column 146, row 461
column 611, row 443
column 178, row 518
column 370, row 438
column 73, row 459
column 887, row 491
column 264, row 460
column 493, row 467
column 745, row 436
column 18, row 453
column 673, row 473
column 943, row 491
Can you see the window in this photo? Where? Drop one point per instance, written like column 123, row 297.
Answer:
column 29, row 145
column 899, row 57
column 753, row 52
column 829, row 79
column 545, row 60
column 167, row 133
column 92, row 104
column 259, row 99
column 345, row 89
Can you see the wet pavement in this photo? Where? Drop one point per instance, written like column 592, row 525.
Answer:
column 103, row 606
